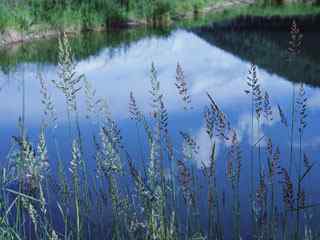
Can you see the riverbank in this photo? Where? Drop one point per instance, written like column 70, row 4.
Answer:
column 14, row 35
column 215, row 14
column 276, row 18
column 270, row 23
column 10, row 37
column 182, row 13
column 24, row 20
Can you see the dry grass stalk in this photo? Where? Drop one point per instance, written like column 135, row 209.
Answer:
column 182, row 87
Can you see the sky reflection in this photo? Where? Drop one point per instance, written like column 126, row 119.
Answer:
column 207, row 68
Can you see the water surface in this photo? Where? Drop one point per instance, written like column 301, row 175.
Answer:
column 119, row 63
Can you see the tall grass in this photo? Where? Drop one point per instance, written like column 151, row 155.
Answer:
column 90, row 14
column 161, row 199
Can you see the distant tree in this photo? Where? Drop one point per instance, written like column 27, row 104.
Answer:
column 279, row 2
column 271, row 2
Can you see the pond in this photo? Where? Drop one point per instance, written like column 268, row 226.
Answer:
column 118, row 65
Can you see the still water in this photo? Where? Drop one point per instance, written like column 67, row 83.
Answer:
column 214, row 62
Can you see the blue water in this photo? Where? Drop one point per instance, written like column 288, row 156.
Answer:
column 116, row 71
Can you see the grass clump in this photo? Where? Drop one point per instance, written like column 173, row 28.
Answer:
column 90, row 14
column 256, row 10
column 157, row 196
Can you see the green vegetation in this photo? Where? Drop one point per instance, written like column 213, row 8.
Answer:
column 274, row 10
column 83, row 45
column 39, row 16
column 158, row 197
column 262, row 47
column 263, row 10
column 23, row 14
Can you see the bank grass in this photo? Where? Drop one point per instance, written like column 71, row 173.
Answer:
column 18, row 18
column 254, row 10
column 293, row 9
column 192, row 5
column 297, row 9
column 90, row 14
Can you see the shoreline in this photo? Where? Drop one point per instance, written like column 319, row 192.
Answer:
column 310, row 22
column 10, row 37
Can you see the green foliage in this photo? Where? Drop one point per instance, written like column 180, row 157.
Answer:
column 162, row 7
column 5, row 19
column 65, row 18
column 20, row 17
column 90, row 18
column 89, row 13
column 24, row 18
column 294, row 9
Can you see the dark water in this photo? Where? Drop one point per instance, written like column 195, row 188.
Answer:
column 217, row 63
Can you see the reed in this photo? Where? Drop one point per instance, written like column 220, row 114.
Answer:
column 233, row 173
column 294, row 49
column 159, row 194
column 68, row 81
column 182, row 87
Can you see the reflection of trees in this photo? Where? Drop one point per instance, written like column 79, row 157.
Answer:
column 83, row 46
column 268, row 51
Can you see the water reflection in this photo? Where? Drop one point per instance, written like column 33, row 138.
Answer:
column 117, row 65
column 85, row 45
column 269, row 51
column 207, row 67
